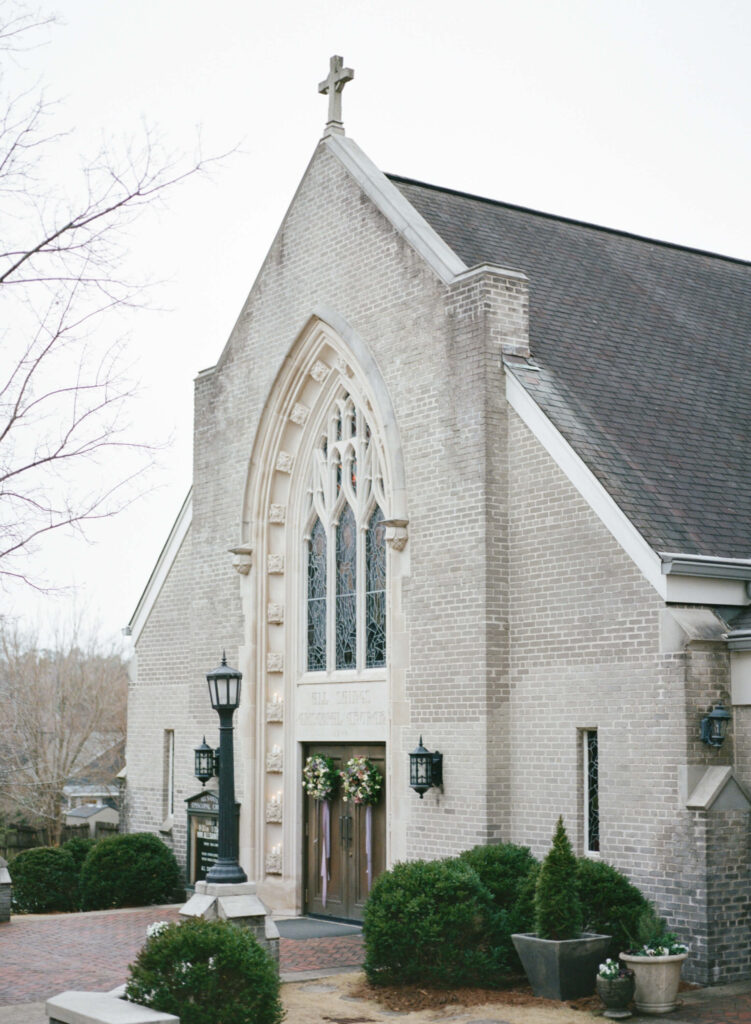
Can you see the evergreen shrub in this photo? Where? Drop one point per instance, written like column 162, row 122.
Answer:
column 505, row 869
column 43, row 879
column 129, row 871
column 611, row 904
column 79, row 848
column 558, row 910
column 204, row 972
column 431, row 922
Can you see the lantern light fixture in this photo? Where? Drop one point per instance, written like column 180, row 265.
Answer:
column 224, row 686
column 714, row 725
column 425, row 769
column 206, row 762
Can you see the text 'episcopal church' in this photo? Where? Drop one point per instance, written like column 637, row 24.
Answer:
column 479, row 474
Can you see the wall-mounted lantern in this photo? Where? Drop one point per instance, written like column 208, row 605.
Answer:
column 425, row 769
column 206, row 762
column 714, row 725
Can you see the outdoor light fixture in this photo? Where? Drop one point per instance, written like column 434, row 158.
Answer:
column 224, row 686
column 425, row 769
column 714, row 725
column 224, row 690
column 206, row 761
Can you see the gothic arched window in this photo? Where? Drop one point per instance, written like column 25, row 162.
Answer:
column 346, row 547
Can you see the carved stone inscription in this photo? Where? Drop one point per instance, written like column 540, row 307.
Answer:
column 341, row 711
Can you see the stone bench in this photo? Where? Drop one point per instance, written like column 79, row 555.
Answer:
column 101, row 1008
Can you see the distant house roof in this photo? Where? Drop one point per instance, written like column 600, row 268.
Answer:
column 87, row 810
column 643, row 352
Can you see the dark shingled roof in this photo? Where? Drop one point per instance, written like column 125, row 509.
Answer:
column 644, row 356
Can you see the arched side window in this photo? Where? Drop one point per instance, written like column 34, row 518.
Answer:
column 346, row 547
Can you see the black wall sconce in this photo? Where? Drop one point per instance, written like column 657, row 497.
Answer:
column 206, row 762
column 714, row 725
column 425, row 769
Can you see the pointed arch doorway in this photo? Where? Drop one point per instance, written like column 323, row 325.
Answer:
column 324, row 517
column 348, row 879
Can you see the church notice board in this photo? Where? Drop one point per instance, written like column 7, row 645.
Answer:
column 203, row 834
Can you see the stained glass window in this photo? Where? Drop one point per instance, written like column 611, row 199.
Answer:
column 592, row 809
column 346, row 590
column 375, row 595
column 317, row 598
column 346, row 584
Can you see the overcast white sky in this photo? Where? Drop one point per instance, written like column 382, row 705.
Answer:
column 629, row 113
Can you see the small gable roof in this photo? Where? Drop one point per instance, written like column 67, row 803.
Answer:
column 642, row 349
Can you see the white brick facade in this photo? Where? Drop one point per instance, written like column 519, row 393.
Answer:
column 515, row 618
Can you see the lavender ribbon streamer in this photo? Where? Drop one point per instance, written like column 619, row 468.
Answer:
column 369, row 842
column 326, row 850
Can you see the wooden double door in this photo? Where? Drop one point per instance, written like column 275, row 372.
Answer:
column 347, row 883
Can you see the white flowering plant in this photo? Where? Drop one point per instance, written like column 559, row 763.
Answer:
column 361, row 781
column 612, row 969
column 666, row 945
column 319, row 777
column 156, row 928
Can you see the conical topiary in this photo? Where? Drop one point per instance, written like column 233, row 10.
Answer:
column 558, row 911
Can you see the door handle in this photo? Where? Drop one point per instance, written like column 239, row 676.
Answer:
column 342, row 829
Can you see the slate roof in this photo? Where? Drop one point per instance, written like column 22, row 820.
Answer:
column 643, row 350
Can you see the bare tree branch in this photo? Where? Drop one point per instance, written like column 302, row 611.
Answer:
column 67, row 453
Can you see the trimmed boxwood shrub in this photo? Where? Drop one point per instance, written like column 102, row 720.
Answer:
column 611, row 904
column 43, row 879
column 204, row 972
column 431, row 922
column 558, row 910
column 129, row 871
column 79, row 848
column 505, row 869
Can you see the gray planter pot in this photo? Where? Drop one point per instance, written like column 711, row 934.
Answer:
column 561, row 969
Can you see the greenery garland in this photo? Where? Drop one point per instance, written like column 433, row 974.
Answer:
column 319, row 777
column 361, row 781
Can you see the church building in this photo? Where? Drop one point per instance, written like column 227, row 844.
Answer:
column 478, row 475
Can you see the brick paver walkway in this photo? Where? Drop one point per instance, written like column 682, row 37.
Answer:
column 43, row 955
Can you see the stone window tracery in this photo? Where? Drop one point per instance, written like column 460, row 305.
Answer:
column 345, row 546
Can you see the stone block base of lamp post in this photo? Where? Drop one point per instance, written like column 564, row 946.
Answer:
column 240, row 905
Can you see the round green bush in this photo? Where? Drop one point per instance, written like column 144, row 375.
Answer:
column 79, row 849
column 43, row 879
column 611, row 904
column 558, row 911
column 204, row 972
column 431, row 922
column 505, row 869
column 129, row 871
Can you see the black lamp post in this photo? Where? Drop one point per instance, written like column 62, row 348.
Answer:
column 224, row 690
column 714, row 725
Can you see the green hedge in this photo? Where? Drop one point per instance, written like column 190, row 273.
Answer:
column 431, row 922
column 506, row 869
column 612, row 905
column 42, row 880
column 129, row 871
column 204, row 972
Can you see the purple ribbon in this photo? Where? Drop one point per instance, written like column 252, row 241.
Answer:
column 369, row 842
column 326, row 850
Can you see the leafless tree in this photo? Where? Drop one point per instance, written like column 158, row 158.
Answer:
column 63, row 707
column 66, row 451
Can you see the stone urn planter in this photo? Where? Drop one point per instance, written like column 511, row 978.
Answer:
column 616, row 994
column 657, row 979
column 561, row 968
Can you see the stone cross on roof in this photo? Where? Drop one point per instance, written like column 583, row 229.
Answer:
column 333, row 85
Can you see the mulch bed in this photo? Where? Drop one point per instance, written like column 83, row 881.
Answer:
column 406, row 998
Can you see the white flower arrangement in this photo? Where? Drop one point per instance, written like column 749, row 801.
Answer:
column 361, row 781
column 319, row 777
